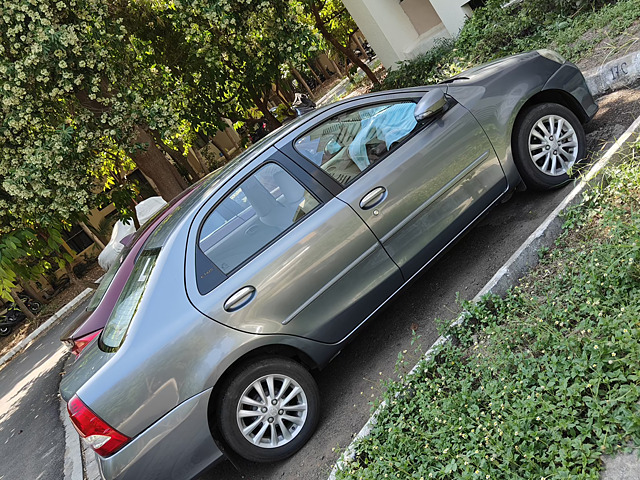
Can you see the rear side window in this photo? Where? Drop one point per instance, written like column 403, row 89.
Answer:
column 346, row 145
column 263, row 206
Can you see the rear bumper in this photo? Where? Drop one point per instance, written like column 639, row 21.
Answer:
column 178, row 446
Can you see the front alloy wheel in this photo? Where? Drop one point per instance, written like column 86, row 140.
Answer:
column 269, row 409
column 553, row 145
column 548, row 140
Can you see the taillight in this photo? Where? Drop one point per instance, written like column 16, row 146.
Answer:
column 101, row 437
column 78, row 345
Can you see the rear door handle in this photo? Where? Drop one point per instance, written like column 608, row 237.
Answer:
column 240, row 299
column 373, row 198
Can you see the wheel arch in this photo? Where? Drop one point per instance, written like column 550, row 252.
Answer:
column 560, row 97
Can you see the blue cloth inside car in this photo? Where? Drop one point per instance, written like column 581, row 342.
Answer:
column 387, row 125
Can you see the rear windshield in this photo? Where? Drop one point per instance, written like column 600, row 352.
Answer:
column 125, row 308
column 107, row 278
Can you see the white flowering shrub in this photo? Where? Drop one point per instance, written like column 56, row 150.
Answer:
column 84, row 84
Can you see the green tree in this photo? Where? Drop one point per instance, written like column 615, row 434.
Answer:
column 336, row 25
column 223, row 56
column 70, row 89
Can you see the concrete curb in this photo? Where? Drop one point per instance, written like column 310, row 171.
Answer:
column 615, row 74
column 518, row 264
column 73, row 464
column 68, row 308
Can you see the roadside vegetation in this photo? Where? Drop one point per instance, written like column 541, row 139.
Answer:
column 539, row 384
column 573, row 28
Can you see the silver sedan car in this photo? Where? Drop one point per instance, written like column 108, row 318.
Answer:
column 265, row 271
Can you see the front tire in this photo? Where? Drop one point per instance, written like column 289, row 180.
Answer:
column 269, row 409
column 548, row 141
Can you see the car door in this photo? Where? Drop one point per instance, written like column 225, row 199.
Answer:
column 417, row 185
column 275, row 253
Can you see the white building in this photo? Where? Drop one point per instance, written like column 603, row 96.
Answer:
column 401, row 29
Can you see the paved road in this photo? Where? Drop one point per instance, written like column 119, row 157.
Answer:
column 31, row 433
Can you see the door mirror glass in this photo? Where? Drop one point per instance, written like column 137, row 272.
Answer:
column 431, row 104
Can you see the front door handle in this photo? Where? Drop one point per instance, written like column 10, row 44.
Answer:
column 373, row 198
column 240, row 299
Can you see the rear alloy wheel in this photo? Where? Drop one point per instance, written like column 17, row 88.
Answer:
column 549, row 140
column 269, row 410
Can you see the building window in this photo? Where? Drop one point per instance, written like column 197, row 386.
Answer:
column 77, row 239
column 477, row 4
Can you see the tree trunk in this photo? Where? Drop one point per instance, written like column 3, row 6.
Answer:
column 93, row 237
column 272, row 121
column 78, row 281
column 23, row 308
column 154, row 165
column 32, row 292
column 337, row 67
column 300, row 79
column 314, row 74
column 360, row 46
column 177, row 156
column 322, row 68
column 134, row 215
column 151, row 161
column 282, row 96
column 347, row 52
column 201, row 161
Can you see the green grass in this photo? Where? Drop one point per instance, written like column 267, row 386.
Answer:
column 495, row 32
column 539, row 384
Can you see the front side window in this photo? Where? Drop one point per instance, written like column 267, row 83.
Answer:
column 348, row 144
column 263, row 206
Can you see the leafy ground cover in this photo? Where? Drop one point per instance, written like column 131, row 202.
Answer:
column 538, row 384
column 495, row 31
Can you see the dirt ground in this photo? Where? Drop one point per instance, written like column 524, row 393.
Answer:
column 611, row 47
column 617, row 111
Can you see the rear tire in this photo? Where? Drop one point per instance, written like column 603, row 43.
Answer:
column 269, row 409
column 5, row 330
column 548, row 141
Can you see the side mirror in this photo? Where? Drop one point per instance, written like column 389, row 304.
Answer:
column 432, row 103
